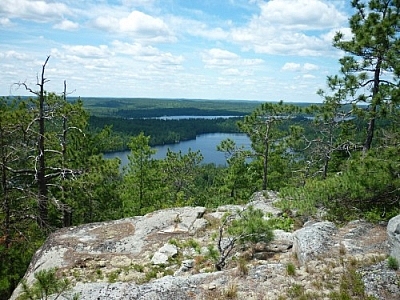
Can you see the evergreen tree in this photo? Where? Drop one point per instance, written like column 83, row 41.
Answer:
column 179, row 173
column 140, row 180
column 269, row 142
column 237, row 179
column 371, row 68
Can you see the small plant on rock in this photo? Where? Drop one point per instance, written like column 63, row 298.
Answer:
column 244, row 226
column 290, row 269
column 46, row 285
column 393, row 263
column 242, row 267
column 231, row 291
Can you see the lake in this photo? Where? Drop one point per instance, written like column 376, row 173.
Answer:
column 206, row 143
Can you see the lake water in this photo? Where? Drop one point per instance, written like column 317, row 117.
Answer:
column 206, row 143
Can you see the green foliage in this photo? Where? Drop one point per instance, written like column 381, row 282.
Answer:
column 392, row 263
column 45, row 285
column 296, row 291
column 269, row 141
column 15, row 258
column 154, row 107
column 179, row 173
column 212, row 252
column 237, row 180
column 244, row 226
column 371, row 66
column 290, row 269
column 283, row 222
column 368, row 186
column 139, row 183
column 250, row 226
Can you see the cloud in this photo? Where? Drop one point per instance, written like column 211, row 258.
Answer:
column 217, row 58
column 291, row 67
column 14, row 55
column 143, row 24
column 310, row 67
column 5, row 22
column 146, row 53
column 87, row 51
column 66, row 25
column 221, row 54
column 38, row 11
column 296, row 67
column 229, row 63
column 301, row 14
column 135, row 49
column 288, row 27
column 138, row 25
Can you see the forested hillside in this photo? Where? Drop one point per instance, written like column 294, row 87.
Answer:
column 342, row 155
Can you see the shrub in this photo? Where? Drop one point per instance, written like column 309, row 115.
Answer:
column 392, row 263
column 46, row 283
column 244, row 226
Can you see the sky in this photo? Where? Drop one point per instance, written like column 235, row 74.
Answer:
column 195, row 49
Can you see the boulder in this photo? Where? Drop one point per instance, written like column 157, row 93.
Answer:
column 313, row 240
column 163, row 254
column 393, row 232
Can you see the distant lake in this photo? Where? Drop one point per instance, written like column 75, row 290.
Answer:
column 194, row 117
column 206, row 143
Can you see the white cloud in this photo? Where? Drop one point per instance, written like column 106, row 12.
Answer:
column 135, row 49
column 221, row 54
column 310, row 67
column 143, row 24
column 216, row 58
column 230, row 64
column 137, row 25
column 301, row 14
column 283, row 27
column 14, row 55
column 236, row 72
column 291, row 67
column 107, row 23
column 87, row 51
column 66, row 25
column 296, row 67
column 5, row 22
column 39, row 11
column 147, row 53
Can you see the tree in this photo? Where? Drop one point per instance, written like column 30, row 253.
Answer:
column 334, row 129
column 371, row 68
column 179, row 171
column 267, row 138
column 236, row 180
column 140, row 177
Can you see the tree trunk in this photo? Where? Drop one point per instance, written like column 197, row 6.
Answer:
column 373, row 108
column 41, row 170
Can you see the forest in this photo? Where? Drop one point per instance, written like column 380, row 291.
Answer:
column 342, row 155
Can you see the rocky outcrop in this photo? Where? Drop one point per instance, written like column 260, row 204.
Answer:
column 313, row 240
column 169, row 254
column 393, row 232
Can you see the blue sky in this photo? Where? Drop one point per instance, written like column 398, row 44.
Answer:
column 197, row 49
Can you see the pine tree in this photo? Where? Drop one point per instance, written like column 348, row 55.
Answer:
column 371, row 66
